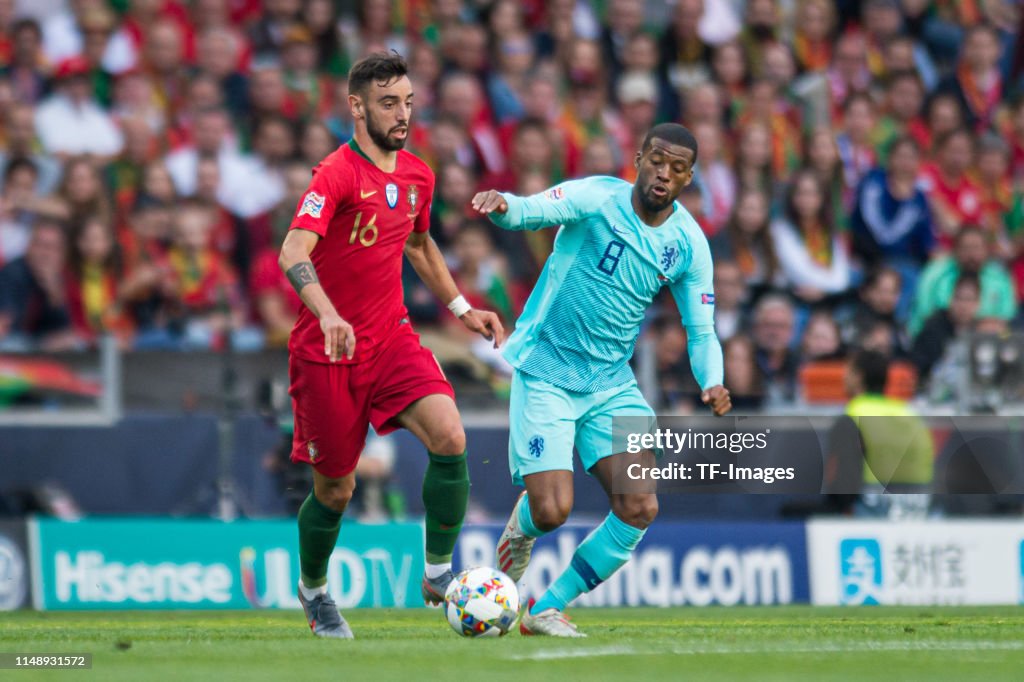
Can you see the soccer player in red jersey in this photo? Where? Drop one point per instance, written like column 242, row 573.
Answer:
column 354, row 358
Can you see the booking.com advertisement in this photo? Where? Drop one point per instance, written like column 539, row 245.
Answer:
column 162, row 564
column 676, row 564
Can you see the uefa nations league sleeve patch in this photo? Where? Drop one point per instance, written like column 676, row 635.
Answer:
column 312, row 204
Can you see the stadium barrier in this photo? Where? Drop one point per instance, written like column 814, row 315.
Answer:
column 170, row 564
column 924, row 562
column 15, row 573
column 678, row 563
column 202, row 564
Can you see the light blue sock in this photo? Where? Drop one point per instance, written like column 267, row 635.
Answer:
column 604, row 551
column 526, row 519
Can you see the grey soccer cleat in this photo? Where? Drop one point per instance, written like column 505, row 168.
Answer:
column 550, row 622
column 323, row 617
column 514, row 546
column 434, row 588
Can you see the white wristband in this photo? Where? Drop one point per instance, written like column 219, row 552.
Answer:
column 459, row 306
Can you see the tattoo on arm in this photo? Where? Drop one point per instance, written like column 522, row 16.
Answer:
column 301, row 274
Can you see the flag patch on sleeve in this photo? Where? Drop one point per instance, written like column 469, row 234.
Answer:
column 312, row 204
column 707, row 298
column 555, row 193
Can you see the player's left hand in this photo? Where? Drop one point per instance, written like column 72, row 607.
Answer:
column 486, row 324
column 718, row 398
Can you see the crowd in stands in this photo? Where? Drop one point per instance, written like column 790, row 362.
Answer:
column 860, row 178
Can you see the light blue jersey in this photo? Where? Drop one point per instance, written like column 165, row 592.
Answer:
column 581, row 322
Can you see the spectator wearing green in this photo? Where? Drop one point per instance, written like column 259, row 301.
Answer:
column 970, row 254
column 880, row 446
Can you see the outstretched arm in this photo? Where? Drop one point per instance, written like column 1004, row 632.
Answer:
column 339, row 337
column 428, row 261
column 695, row 298
column 556, row 206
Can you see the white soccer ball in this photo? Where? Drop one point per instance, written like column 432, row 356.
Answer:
column 482, row 602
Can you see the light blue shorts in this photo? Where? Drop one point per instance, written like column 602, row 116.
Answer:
column 545, row 421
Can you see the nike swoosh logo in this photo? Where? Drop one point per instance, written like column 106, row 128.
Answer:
column 619, row 230
column 364, row 195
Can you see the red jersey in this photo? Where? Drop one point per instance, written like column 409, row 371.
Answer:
column 364, row 217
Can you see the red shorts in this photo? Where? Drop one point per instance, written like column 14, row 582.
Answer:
column 334, row 404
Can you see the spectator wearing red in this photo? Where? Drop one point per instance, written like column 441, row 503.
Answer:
column 943, row 114
column 541, row 100
column 849, row 73
column 954, row 197
column 717, row 175
column 210, row 17
column 587, row 114
column 94, row 279
column 275, row 305
column 991, row 174
column 268, row 94
column 978, row 83
column 815, row 33
column 6, row 22
column 1013, row 132
column 203, row 287
column 482, row 274
column 311, row 92
column 164, row 62
column 461, row 97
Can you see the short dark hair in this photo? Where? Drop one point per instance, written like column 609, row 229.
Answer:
column 969, row 279
column 673, row 133
column 27, row 24
column 19, row 163
column 377, row 67
column 873, row 368
column 903, row 141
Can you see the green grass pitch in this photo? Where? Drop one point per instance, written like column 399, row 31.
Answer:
column 747, row 643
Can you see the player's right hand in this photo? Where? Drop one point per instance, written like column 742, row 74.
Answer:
column 490, row 201
column 339, row 337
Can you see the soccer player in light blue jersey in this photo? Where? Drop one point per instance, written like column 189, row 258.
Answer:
column 618, row 245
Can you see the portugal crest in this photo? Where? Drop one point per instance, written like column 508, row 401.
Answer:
column 414, row 197
column 391, row 193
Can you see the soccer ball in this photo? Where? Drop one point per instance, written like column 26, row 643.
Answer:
column 482, row 602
